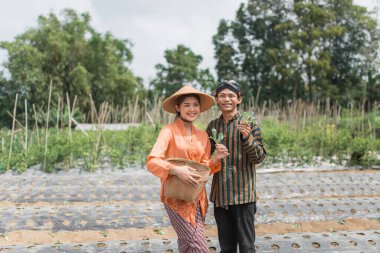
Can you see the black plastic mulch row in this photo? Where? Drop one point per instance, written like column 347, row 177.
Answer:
column 92, row 217
column 81, row 193
column 143, row 177
column 347, row 241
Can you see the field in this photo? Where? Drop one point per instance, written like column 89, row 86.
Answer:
column 119, row 211
column 319, row 188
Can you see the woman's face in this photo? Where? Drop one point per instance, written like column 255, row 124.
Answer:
column 189, row 109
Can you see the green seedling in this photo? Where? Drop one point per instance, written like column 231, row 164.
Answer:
column 215, row 138
column 247, row 118
column 158, row 231
column 5, row 236
column 296, row 225
column 104, row 233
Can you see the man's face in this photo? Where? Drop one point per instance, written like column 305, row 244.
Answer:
column 228, row 100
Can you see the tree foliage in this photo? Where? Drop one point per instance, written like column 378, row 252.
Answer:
column 182, row 67
column 307, row 49
column 77, row 60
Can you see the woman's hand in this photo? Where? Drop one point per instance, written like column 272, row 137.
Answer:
column 186, row 175
column 220, row 152
column 245, row 130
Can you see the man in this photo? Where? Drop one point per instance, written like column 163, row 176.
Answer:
column 233, row 189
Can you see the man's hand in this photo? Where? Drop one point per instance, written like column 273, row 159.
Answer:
column 245, row 130
column 220, row 152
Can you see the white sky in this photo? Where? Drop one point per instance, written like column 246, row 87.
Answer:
column 151, row 25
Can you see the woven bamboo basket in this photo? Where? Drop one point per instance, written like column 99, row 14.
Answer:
column 175, row 188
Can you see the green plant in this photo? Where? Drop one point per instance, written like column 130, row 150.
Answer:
column 247, row 118
column 291, row 135
column 5, row 236
column 104, row 233
column 215, row 138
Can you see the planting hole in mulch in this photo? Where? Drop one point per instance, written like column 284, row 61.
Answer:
column 353, row 243
column 295, row 245
column 275, row 247
column 371, row 242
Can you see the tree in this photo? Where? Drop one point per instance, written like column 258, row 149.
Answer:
column 253, row 49
column 7, row 99
column 182, row 67
column 78, row 60
column 354, row 51
column 313, row 27
column 306, row 49
column 226, row 64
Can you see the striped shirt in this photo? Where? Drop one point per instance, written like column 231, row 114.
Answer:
column 235, row 183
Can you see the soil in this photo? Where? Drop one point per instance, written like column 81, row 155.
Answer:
column 86, row 236
column 30, row 237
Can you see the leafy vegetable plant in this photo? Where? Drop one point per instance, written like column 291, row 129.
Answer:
column 218, row 138
column 247, row 118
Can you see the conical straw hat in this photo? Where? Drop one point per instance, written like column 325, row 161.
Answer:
column 206, row 100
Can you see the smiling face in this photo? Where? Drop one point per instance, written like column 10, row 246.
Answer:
column 189, row 108
column 228, row 100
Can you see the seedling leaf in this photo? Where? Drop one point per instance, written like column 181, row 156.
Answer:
column 215, row 138
column 220, row 137
column 247, row 118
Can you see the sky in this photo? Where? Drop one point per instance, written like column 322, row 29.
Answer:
column 152, row 26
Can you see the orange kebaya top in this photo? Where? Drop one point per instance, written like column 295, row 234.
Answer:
column 172, row 142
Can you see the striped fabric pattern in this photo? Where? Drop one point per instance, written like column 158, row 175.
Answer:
column 190, row 239
column 235, row 183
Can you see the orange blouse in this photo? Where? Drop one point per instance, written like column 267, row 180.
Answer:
column 172, row 142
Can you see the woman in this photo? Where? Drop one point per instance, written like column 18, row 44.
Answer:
column 181, row 139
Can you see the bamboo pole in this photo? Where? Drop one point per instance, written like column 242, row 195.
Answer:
column 351, row 114
column 370, row 129
column 47, row 125
column 17, row 122
column 135, row 109
column 2, row 145
column 36, row 125
column 257, row 96
column 69, row 130
column 73, row 106
column 12, row 133
column 58, row 108
column 101, row 119
column 362, row 115
column 26, row 129
column 304, row 120
column 93, row 110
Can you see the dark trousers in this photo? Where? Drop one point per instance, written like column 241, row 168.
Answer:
column 236, row 226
